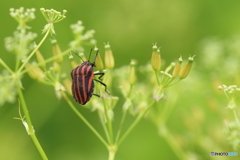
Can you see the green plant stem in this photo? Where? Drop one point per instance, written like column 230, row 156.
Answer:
column 124, row 116
column 120, row 126
column 157, row 78
column 235, row 115
column 83, row 119
column 169, row 84
column 20, row 47
column 35, row 49
column 17, row 65
column 6, row 66
column 133, row 125
column 47, row 60
column 173, row 143
column 30, row 129
column 104, row 126
column 112, row 152
column 111, row 155
column 109, row 124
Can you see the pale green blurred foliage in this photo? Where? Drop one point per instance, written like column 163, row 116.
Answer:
column 220, row 57
column 207, row 122
column 20, row 43
column 81, row 38
column 193, row 110
column 7, row 89
column 232, row 131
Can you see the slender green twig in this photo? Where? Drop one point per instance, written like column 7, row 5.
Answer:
column 6, row 66
column 235, row 115
column 30, row 129
column 137, row 120
column 35, row 49
column 120, row 126
column 109, row 123
column 123, row 116
column 102, row 120
column 157, row 78
column 169, row 85
column 48, row 60
column 83, row 119
column 17, row 65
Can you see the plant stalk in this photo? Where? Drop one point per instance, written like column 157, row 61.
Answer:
column 30, row 129
column 83, row 119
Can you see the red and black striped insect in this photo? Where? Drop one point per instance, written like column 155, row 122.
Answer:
column 82, row 81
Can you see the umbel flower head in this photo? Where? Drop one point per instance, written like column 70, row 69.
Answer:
column 23, row 16
column 231, row 92
column 52, row 16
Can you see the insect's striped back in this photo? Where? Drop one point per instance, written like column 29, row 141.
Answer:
column 82, row 82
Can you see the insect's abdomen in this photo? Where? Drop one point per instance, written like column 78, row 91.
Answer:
column 82, row 83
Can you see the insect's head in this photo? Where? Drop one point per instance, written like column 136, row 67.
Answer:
column 81, row 57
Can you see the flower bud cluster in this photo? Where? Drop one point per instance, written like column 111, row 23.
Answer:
column 179, row 72
column 81, row 38
column 49, row 76
column 231, row 92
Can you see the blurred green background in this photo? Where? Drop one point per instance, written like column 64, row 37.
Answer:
column 178, row 26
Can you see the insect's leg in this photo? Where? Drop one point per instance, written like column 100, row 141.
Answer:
column 96, row 95
column 102, row 84
column 101, row 74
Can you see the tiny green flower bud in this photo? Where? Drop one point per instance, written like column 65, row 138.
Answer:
column 109, row 59
column 99, row 62
column 74, row 64
column 56, row 51
column 184, row 71
column 177, row 67
column 156, row 58
column 35, row 73
column 56, row 67
column 41, row 60
column 132, row 74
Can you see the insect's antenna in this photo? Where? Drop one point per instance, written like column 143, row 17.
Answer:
column 78, row 56
column 90, row 55
column 95, row 58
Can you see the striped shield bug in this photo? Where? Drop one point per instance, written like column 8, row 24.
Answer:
column 83, row 81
